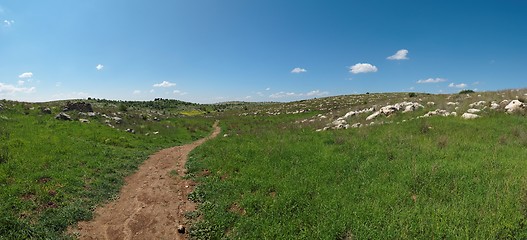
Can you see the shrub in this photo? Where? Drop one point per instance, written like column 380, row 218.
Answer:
column 412, row 94
column 465, row 91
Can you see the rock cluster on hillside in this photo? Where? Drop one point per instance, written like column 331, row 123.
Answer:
column 78, row 106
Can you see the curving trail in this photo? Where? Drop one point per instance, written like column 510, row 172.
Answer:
column 151, row 204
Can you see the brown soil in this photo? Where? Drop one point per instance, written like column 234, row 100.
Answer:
column 152, row 203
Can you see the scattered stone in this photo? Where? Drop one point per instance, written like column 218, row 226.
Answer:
column 514, row 105
column 452, row 103
column 63, row 116
column 494, row 106
column 130, row 130
column 82, row 120
column 430, row 103
column 225, row 135
column 181, row 229
column 117, row 120
column 473, row 110
column 477, row 104
column 438, row 112
column 46, row 110
column 469, row 116
column 356, row 125
column 92, row 114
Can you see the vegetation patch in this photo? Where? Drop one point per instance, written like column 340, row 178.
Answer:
column 53, row 173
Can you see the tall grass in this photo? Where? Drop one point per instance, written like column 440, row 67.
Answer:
column 428, row 178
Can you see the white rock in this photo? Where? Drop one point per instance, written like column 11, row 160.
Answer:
column 477, row 104
column 431, row 103
column 494, row 105
column 356, row 125
column 473, row 110
column 469, row 116
column 514, row 105
column 372, row 116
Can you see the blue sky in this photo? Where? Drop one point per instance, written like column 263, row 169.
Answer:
column 263, row 50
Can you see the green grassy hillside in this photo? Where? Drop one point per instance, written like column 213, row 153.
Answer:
column 53, row 172
column 272, row 176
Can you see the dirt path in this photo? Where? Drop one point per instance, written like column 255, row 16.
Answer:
column 152, row 203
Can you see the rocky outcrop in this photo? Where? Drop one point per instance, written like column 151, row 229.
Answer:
column 390, row 109
column 78, row 106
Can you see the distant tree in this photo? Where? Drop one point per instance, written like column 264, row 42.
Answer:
column 465, row 91
column 412, row 94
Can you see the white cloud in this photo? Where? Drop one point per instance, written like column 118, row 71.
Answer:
column 293, row 94
column 21, row 82
column 99, row 67
column 10, row 89
column 461, row 85
column 298, row 70
column 164, row 84
column 362, row 68
column 26, row 75
column 283, row 94
column 431, row 80
column 137, row 92
column 267, row 89
column 180, row 93
column 248, row 97
column 317, row 93
column 399, row 55
column 8, row 23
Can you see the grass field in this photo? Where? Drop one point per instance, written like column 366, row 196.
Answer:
column 433, row 178
column 271, row 175
column 53, row 173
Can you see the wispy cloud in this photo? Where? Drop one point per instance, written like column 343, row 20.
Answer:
column 99, row 67
column 180, row 93
column 10, row 89
column 21, row 82
column 164, row 84
column 432, row 80
column 314, row 93
column 399, row 55
column 137, row 92
column 8, row 23
column 363, row 68
column 284, row 94
column 461, row 85
column 26, row 75
column 298, row 70
column 317, row 93
column 267, row 89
